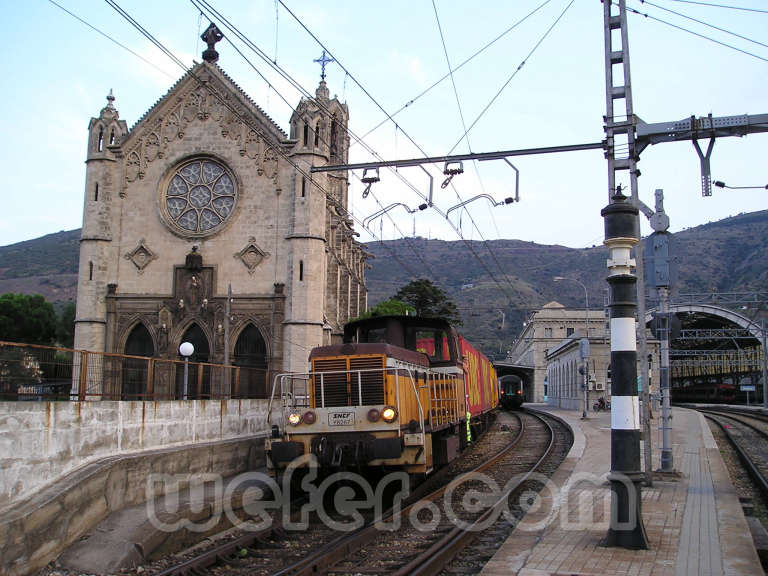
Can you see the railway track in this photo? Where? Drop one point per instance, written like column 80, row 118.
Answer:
column 442, row 517
column 747, row 433
column 434, row 530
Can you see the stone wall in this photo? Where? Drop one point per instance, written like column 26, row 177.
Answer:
column 65, row 466
column 42, row 441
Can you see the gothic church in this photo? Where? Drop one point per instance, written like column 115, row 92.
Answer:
column 204, row 196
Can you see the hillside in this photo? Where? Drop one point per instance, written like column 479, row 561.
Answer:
column 728, row 255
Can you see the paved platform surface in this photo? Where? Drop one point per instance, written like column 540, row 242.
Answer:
column 694, row 522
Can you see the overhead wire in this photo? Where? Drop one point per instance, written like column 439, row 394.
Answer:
column 704, row 23
column 722, row 6
column 229, row 26
column 378, row 105
column 461, row 116
column 108, row 37
column 697, row 34
column 230, row 107
column 465, row 62
column 298, row 168
column 517, row 70
column 244, row 38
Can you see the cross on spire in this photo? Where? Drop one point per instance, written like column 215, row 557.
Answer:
column 211, row 35
column 323, row 60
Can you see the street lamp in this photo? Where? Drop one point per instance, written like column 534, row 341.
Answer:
column 584, row 344
column 186, row 349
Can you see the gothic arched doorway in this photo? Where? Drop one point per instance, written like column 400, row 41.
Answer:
column 199, row 378
column 134, row 371
column 251, row 356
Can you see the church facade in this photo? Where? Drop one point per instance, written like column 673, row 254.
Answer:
column 203, row 223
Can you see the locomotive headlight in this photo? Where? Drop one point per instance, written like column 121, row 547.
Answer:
column 374, row 414
column 294, row 418
column 389, row 413
column 309, row 417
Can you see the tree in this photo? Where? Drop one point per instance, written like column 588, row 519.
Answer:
column 27, row 318
column 65, row 326
column 391, row 307
column 428, row 300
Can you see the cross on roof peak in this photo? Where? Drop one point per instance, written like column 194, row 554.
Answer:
column 323, row 60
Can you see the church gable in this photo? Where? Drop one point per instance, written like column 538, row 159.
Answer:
column 205, row 94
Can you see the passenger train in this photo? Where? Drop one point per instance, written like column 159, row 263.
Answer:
column 510, row 392
column 401, row 392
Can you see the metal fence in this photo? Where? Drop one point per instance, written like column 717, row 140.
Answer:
column 31, row 372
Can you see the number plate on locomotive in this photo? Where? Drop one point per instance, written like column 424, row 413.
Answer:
column 346, row 418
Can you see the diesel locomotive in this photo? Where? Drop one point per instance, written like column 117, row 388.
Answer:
column 401, row 392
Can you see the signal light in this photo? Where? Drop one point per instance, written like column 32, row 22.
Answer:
column 374, row 415
column 309, row 417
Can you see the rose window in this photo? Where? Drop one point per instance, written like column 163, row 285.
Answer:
column 200, row 197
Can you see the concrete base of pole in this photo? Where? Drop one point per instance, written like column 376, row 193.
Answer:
column 626, row 528
column 666, row 461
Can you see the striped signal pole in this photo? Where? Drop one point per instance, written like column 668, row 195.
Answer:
column 626, row 523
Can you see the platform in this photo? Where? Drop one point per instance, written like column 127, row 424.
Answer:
column 694, row 522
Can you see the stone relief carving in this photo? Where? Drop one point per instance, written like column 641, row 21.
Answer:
column 199, row 105
column 141, row 256
column 251, row 255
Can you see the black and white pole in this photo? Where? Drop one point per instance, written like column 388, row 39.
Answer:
column 626, row 527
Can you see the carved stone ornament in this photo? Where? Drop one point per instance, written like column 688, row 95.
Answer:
column 196, row 103
column 141, row 256
column 251, row 256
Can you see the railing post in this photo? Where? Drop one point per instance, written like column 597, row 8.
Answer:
column 83, row 375
column 150, row 379
column 199, row 381
column 237, row 382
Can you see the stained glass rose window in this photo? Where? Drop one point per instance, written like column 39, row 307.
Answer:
column 200, row 197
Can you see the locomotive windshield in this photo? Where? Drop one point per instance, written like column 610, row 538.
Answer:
column 430, row 336
column 430, row 341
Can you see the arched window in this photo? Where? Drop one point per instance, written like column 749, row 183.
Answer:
column 306, row 134
column 134, row 370
column 90, row 270
column 100, row 143
column 96, row 193
column 303, row 186
column 112, row 137
column 251, row 356
column 301, row 270
column 334, row 131
column 199, row 377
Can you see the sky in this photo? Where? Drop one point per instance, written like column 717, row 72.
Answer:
column 540, row 84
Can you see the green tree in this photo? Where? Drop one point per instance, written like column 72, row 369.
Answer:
column 65, row 326
column 428, row 300
column 27, row 318
column 391, row 307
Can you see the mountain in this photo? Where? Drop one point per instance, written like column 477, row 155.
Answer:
column 494, row 282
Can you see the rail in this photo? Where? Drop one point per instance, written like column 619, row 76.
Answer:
column 42, row 373
column 752, row 467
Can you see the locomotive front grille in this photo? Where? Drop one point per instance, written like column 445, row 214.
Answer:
column 371, row 382
column 348, row 381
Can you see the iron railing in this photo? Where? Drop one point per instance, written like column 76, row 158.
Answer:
column 32, row 372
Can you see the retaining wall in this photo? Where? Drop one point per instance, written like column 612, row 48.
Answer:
column 64, row 466
column 42, row 441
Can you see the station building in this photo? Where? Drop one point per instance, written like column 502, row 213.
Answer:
column 207, row 196
column 547, row 356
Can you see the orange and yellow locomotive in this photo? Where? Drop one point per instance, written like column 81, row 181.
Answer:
column 401, row 391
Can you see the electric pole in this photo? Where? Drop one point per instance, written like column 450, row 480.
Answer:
column 622, row 233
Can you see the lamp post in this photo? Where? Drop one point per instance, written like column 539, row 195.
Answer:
column 186, row 349
column 584, row 344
